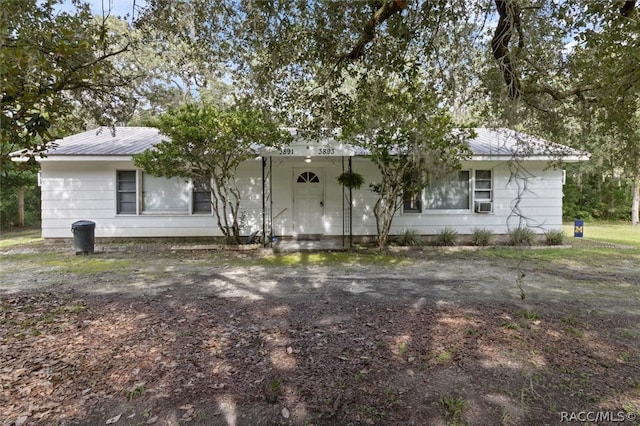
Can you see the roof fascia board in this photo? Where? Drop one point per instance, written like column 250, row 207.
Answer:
column 53, row 158
column 563, row 158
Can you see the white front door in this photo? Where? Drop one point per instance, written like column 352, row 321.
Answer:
column 308, row 200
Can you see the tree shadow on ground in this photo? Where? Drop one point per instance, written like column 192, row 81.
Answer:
column 172, row 358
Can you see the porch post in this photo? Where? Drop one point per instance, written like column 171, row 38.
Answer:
column 271, row 202
column 350, row 208
column 267, row 202
column 264, row 217
column 343, row 217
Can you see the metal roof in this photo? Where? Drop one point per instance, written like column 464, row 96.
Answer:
column 507, row 142
column 127, row 141
column 124, row 141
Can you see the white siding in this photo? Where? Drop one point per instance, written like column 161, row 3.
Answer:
column 539, row 207
column 75, row 190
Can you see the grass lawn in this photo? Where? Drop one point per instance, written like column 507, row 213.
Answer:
column 12, row 238
column 619, row 233
column 613, row 232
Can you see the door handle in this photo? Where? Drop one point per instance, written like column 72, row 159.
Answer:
column 321, row 203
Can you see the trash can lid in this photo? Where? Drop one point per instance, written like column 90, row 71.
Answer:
column 83, row 224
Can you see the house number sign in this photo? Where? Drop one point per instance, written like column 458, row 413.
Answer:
column 286, row 151
column 304, row 151
column 326, row 151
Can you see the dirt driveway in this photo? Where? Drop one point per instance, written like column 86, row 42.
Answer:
column 234, row 338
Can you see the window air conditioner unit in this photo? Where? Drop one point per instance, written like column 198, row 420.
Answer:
column 483, row 206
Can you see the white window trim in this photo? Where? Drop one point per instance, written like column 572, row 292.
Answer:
column 472, row 200
column 453, row 211
column 483, row 200
column 139, row 196
column 115, row 198
column 192, row 201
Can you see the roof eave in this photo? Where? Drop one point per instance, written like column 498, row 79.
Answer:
column 58, row 158
column 563, row 158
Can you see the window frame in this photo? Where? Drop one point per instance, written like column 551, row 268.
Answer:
column 417, row 199
column 139, row 193
column 473, row 192
column 120, row 192
column 477, row 190
column 427, row 210
column 193, row 202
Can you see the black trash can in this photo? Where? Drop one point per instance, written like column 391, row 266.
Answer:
column 83, row 236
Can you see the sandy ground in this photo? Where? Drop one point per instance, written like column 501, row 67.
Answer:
column 207, row 337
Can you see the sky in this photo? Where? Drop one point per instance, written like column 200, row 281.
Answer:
column 120, row 8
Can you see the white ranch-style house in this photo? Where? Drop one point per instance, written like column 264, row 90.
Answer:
column 509, row 181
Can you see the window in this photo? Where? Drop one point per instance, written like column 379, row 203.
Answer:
column 162, row 195
column 308, row 177
column 126, row 192
column 483, row 192
column 412, row 204
column 159, row 195
column 449, row 193
column 201, row 197
column 483, row 187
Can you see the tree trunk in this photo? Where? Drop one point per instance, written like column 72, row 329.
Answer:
column 21, row 206
column 384, row 211
column 635, row 204
column 226, row 205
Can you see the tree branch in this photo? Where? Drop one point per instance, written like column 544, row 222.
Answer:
column 560, row 95
column 385, row 11
column 509, row 12
column 100, row 58
column 627, row 8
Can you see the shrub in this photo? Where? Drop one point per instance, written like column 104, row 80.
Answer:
column 521, row 237
column 481, row 237
column 554, row 237
column 409, row 238
column 447, row 237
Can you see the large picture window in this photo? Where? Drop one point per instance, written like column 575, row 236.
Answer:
column 162, row 195
column 449, row 193
column 141, row 193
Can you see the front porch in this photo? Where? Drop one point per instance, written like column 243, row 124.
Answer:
column 303, row 205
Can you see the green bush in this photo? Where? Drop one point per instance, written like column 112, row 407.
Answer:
column 481, row 237
column 521, row 237
column 409, row 238
column 447, row 237
column 554, row 237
